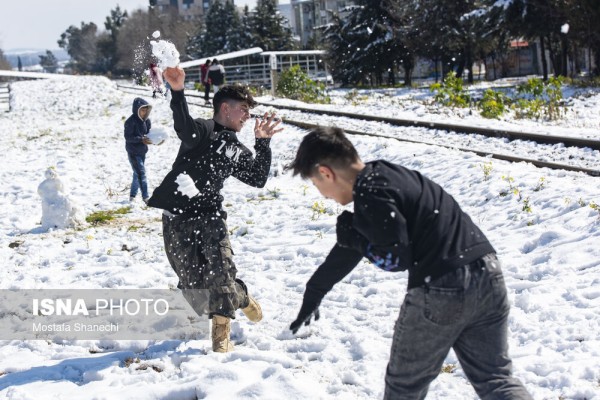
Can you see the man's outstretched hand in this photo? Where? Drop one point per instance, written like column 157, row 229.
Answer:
column 175, row 76
column 310, row 308
column 267, row 126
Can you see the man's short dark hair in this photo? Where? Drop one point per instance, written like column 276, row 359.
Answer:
column 232, row 92
column 323, row 146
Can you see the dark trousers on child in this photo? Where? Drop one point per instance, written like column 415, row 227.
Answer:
column 206, row 91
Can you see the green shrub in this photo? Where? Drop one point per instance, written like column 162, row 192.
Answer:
column 295, row 84
column 451, row 92
column 539, row 98
column 257, row 90
column 493, row 104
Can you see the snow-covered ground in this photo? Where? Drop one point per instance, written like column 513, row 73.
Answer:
column 545, row 225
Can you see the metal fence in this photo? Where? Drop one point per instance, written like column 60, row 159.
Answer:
column 256, row 69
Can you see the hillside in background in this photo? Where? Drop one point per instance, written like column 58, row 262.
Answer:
column 30, row 57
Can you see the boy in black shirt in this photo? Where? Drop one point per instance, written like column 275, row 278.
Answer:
column 195, row 234
column 456, row 296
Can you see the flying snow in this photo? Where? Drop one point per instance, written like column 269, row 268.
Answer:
column 165, row 52
column 186, row 185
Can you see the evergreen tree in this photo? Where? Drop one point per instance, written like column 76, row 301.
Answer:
column 453, row 32
column 246, row 36
column 107, row 44
column 223, row 30
column 233, row 33
column 214, row 38
column 49, row 62
column 81, row 45
column 366, row 46
column 269, row 28
column 193, row 45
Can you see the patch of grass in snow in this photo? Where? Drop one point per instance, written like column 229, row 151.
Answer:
column 449, row 368
column 103, row 216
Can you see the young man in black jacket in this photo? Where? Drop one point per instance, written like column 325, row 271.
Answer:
column 195, row 234
column 456, row 296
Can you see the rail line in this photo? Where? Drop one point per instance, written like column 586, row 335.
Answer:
column 497, row 133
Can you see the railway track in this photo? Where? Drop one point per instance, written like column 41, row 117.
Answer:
column 421, row 129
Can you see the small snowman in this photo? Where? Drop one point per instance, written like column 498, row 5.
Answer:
column 58, row 211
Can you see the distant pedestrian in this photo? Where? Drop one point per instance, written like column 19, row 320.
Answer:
column 216, row 74
column 205, row 80
column 137, row 127
column 456, row 297
column 156, row 80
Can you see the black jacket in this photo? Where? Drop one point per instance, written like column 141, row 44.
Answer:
column 216, row 74
column 410, row 223
column 209, row 154
column 136, row 129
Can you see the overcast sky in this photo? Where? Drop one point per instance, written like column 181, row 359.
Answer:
column 38, row 24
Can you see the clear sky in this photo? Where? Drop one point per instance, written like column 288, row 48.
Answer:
column 38, row 24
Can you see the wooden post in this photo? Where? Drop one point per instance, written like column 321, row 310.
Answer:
column 273, row 63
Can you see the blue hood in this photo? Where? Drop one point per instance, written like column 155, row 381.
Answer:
column 138, row 102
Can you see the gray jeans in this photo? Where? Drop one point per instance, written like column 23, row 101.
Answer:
column 466, row 310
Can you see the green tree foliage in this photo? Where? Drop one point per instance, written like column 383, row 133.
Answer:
column 221, row 32
column 81, row 44
column 49, row 62
column 366, row 46
column 455, row 33
column 246, row 36
column 107, row 43
column 269, row 28
column 544, row 20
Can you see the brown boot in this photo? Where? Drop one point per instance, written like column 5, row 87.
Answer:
column 221, row 330
column 253, row 311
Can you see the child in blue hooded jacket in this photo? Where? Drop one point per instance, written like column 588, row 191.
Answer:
column 137, row 127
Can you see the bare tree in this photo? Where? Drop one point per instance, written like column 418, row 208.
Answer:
column 134, row 51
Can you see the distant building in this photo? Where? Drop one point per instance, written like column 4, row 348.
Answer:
column 310, row 14
column 188, row 9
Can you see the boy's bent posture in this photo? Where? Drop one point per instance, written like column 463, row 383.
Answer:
column 456, row 296
column 195, row 233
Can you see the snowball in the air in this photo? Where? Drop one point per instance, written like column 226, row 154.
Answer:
column 564, row 29
column 158, row 135
column 156, row 34
column 186, row 185
column 165, row 52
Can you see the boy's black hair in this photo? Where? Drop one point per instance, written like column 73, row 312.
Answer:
column 323, row 146
column 232, row 92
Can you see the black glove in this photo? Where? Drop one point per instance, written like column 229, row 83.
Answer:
column 347, row 236
column 310, row 307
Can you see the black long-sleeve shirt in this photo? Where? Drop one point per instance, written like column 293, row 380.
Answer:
column 209, row 154
column 410, row 223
